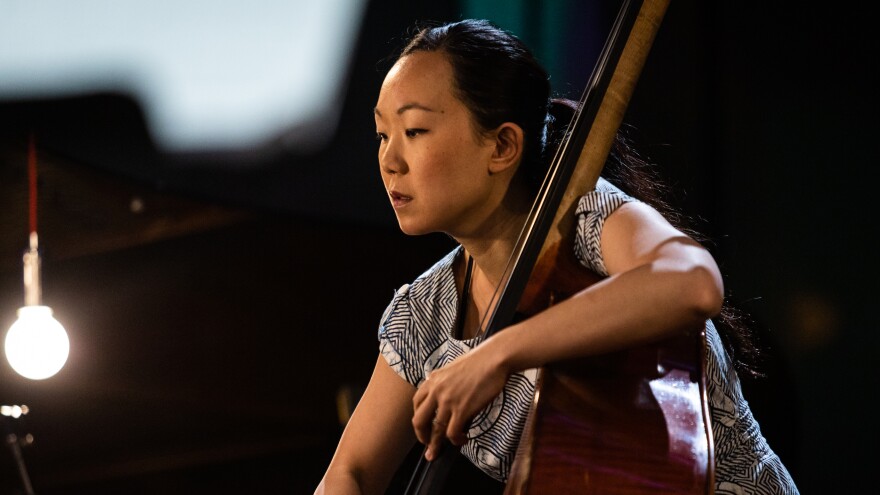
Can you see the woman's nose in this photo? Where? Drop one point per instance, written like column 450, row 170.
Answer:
column 390, row 159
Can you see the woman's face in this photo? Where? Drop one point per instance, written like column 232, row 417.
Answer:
column 433, row 162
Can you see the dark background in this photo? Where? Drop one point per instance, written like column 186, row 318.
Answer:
column 218, row 314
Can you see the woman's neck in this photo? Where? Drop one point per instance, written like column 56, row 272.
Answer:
column 493, row 241
column 490, row 244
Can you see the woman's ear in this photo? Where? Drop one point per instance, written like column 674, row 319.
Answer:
column 508, row 147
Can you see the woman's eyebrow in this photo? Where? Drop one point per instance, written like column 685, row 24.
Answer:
column 404, row 108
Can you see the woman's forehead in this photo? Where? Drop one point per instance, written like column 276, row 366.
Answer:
column 418, row 79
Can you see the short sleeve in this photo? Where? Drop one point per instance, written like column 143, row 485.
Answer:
column 417, row 325
column 395, row 341
column 592, row 210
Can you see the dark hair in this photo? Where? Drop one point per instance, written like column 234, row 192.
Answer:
column 499, row 80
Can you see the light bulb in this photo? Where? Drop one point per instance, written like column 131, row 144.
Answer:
column 36, row 344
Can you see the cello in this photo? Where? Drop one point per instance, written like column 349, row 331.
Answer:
column 634, row 421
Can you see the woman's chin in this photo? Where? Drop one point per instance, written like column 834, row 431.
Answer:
column 414, row 232
column 411, row 228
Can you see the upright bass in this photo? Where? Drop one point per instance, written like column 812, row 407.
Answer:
column 629, row 422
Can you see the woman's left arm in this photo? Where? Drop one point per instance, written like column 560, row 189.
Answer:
column 661, row 283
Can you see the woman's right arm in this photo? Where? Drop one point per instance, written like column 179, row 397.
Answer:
column 376, row 439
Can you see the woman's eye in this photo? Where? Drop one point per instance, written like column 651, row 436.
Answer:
column 415, row 132
column 381, row 136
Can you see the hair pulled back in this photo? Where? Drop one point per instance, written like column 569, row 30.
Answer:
column 497, row 78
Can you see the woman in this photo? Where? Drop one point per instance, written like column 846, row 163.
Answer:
column 462, row 121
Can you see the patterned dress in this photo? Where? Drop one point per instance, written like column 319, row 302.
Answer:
column 416, row 336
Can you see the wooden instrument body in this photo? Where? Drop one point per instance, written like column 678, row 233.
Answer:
column 613, row 425
column 630, row 422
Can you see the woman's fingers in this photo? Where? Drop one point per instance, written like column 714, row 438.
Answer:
column 456, row 430
column 438, row 436
column 424, row 413
column 433, row 418
column 447, row 400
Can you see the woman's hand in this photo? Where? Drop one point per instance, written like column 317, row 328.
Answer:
column 451, row 396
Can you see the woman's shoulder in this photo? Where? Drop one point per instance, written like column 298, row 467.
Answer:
column 592, row 209
column 433, row 282
column 603, row 199
column 438, row 276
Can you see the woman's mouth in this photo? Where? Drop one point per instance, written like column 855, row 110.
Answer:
column 399, row 200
